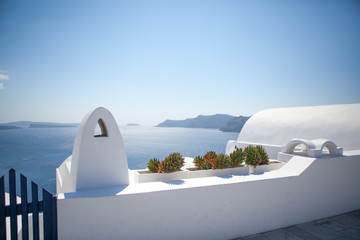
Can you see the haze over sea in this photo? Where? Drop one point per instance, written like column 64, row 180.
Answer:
column 37, row 152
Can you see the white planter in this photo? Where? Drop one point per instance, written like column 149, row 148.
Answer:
column 217, row 172
column 143, row 176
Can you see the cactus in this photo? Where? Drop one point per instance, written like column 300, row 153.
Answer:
column 251, row 157
column 153, row 165
column 172, row 163
column 206, row 166
column 255, row 155
column 236, row 157
column 210, row 157
column 212, row 161
column 165, row 167
column 198, row 161
column 222, row 161
column 262, row 155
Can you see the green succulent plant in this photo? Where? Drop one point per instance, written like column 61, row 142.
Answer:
column 172, row 163
column 251, row 156
column 262, row 155
column 255, row 155
column 206, row 166
column 210, row 157
column 222, row 161
column 153, row 165
column 236, row 157
column 198, row 161
column 165, row 167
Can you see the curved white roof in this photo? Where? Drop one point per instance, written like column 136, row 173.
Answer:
column 338, row 123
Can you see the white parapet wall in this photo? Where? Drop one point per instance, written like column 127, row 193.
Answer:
column 303, row 189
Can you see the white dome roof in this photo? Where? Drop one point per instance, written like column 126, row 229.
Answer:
column 338, row 123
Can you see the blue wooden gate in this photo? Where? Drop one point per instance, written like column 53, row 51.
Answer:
column 47, row 207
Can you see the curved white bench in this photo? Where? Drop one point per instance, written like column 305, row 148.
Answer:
column 313, row 148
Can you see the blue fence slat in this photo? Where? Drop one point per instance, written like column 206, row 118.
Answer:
column 54, row 220
column 2, row 209
column 48, row 206
column 13, row 212
column 35, row 203
column 24, row 208
column 47, row 214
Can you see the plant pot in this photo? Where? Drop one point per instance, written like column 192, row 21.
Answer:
column 251, row 169
column 217, row 172
column 143, row 176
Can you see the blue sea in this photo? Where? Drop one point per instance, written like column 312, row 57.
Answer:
column 37, row 152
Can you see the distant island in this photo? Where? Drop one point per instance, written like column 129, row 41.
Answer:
column 28, row 124
column 223, row 122
column 52, row 125
column 216, row 121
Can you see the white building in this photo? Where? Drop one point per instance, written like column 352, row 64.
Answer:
column 319, row 148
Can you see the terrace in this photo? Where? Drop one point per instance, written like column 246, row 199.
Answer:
column 98, row 197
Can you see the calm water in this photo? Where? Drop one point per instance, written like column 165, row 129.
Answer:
column 36, row 153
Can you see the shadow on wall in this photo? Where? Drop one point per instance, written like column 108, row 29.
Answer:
column 177, row 182
column 98, row 192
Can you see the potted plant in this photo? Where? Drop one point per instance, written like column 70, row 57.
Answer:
column 212, row 164
column 251, row 158
column 222, row 161
column 212, row 161
column 262, row 155
column 172, row 163
column 236, row 157
column 255, row 156
column 168, row 169
column 153, row 165
column 209, row 160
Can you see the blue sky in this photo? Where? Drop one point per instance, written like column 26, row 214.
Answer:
column 147, row 61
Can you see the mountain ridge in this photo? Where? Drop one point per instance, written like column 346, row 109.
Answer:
column 235, row 124
column 223, row 122
column 201, row 121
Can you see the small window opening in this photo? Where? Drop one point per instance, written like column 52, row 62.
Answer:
column 300, row 149
column 100, row 129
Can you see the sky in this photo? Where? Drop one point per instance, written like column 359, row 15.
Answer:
column 148, row 61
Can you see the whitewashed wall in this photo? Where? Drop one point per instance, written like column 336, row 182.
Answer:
column 215, row 208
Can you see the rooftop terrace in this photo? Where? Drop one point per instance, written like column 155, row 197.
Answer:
column 318, row 180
